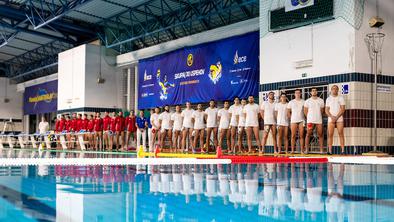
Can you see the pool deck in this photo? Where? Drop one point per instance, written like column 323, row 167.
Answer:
column 161, row 158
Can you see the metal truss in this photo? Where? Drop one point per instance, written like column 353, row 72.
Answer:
column 157, row 21
column 43, row 12
column 39, row 59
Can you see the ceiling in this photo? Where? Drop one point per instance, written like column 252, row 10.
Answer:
column 33, row 32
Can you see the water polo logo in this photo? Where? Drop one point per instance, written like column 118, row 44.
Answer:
column 164, row 85
column 189, row 60
column 215, row 72
column 300, row 2
column 42, row 96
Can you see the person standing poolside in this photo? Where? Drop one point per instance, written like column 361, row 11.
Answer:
column 68, row 129
column 91, row 131
column 150, row 136
column 234, row 119
column 199, row 126
column 295, row 110
column 335, row 108
column 187, row 125
column 57, row 124
column 267, row 110
column 282, row 122
column 251, row 114
column 211, row 114
column 176, row 122
column 154, row 120
column 106, row 129
column 98, row 131
column 131, row 128
column 224, row 125
column 43, row 126
column 62, row 123
column 166, row 129
column 141, row 125
column 313, row 110
column 112, row 131
column 78, row 123
column 241, row 124
column 120, row 127
column 84, row 128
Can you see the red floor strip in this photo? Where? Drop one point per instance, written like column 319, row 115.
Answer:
column 265, row 159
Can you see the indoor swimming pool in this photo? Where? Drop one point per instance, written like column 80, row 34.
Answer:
column 194, row 192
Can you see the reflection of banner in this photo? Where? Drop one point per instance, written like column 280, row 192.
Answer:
column 291, row 5
column 40, row 98
column 218, row 70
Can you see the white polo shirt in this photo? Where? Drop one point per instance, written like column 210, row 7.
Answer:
column 269, row 112
column 224, row 115
column 154, row 119
column 165, row 118
column 234, row 111
column 314, row 110
column 187, row 118
column 241, row 117
column 43, row 127
column 297, row 110
column 177, row 118
column 282, row 119
column 198, row 117
column 252, row 115
column 212, row 115
column 335, row 103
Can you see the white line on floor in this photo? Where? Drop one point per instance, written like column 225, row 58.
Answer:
column 108, row 161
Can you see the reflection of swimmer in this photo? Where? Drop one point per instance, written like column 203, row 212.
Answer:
column 164, row 85
column 335, row 205
column 282, row 190
column 268, row 195
column 314, row 203
column 215, row 72
column 297, row 190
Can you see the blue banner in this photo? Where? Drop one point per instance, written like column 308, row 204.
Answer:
column 40, row 98
column 219, row 70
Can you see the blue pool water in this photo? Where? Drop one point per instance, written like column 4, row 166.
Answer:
column 263, row 192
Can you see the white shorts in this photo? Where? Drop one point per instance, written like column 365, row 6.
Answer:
column 340, row 120
column 176, row 129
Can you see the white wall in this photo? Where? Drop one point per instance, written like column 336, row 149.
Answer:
column 330, row 46
column 71, row 78
column 107, row 95
column 14, row 108
column 77, row 74
column 386, row 11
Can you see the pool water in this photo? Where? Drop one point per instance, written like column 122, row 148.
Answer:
column 262, row 192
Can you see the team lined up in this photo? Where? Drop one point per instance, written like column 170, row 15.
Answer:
column 192, row 130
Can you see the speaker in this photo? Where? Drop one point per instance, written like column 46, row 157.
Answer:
column 376, row 22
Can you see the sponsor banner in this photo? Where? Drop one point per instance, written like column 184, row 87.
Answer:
column 291, row 5
column 40, row 98
column 217, row 70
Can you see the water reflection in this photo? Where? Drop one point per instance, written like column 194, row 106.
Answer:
column 264, row 192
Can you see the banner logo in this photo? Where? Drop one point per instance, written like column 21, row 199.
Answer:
column 164, row 85
column 42, row 96
column 146, row 76
column 190, row 59
column 239, row 59
column 215, row 72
